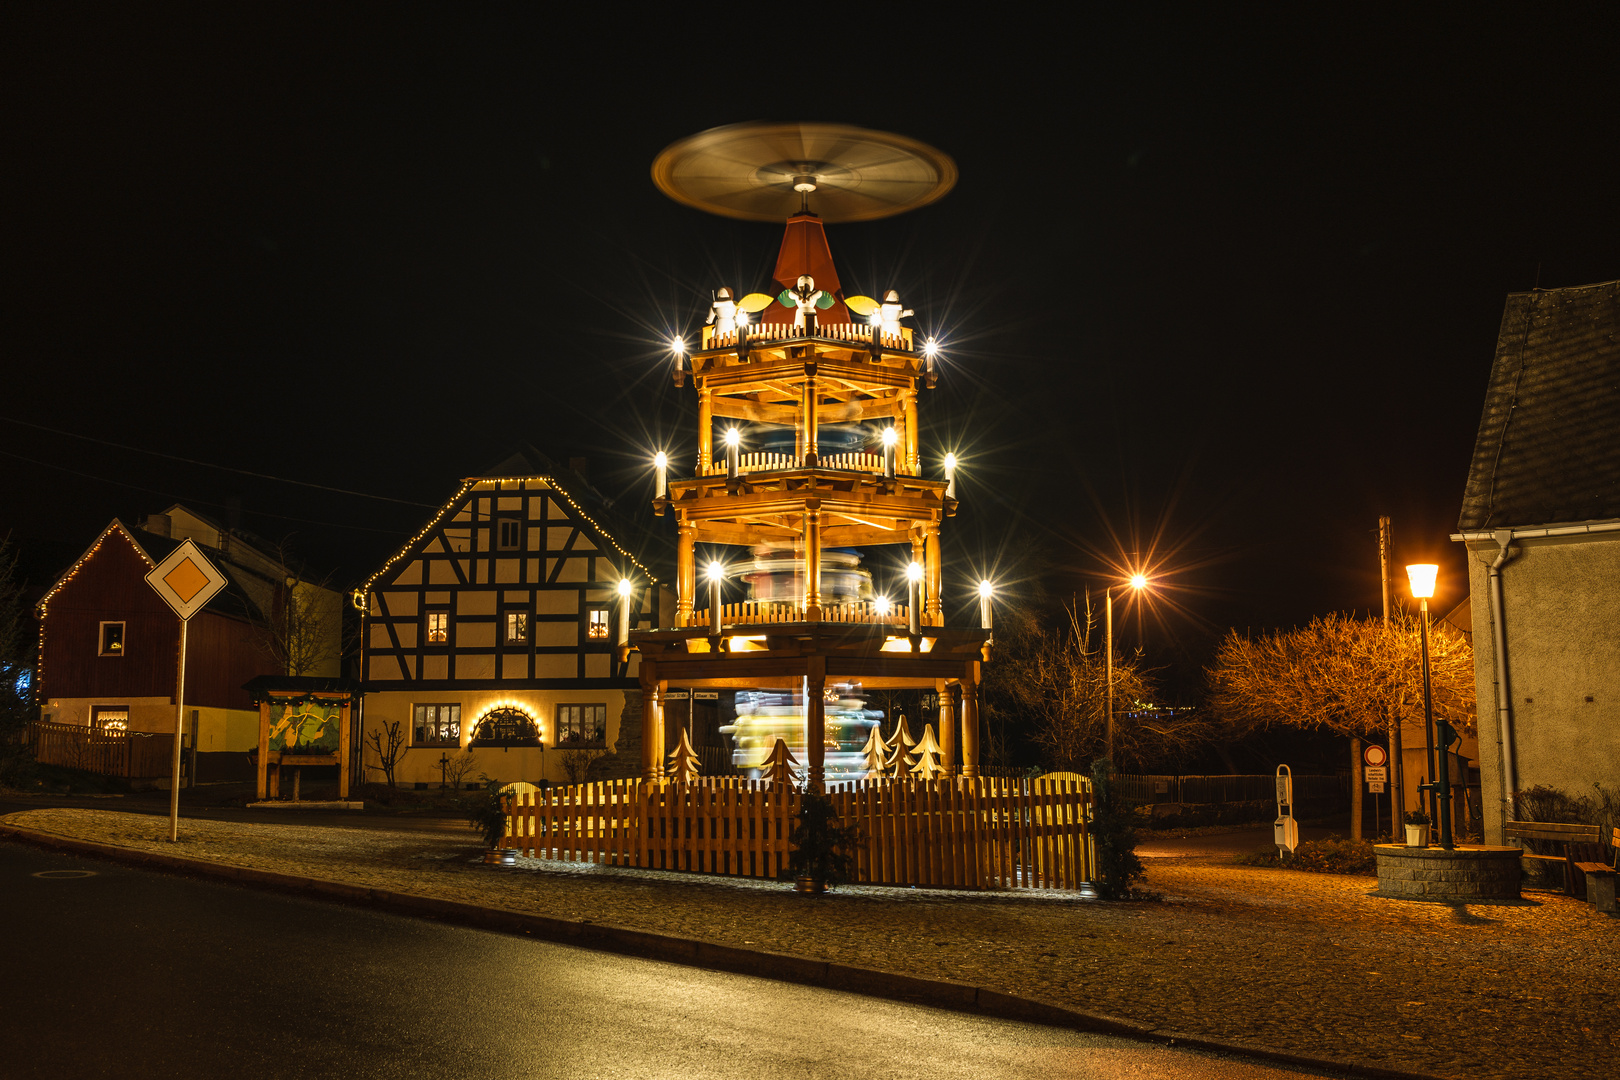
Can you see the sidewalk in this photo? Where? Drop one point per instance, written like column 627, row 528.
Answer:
column 1298, row 963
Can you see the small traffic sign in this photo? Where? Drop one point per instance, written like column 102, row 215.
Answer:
column 1377, row 775
column 186, row 580
column 1376, row 788
column 1374, row 754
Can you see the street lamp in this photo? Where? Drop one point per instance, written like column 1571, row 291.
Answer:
column 1138, row 582
column 1435, row 733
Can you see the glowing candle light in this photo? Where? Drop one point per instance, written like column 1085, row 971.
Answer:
column 914, row 574
column 890, row 437
column 986, row 592
column 883, row 605
column 950, row 476
column 661, row 463
column 624, row 611
column 717, row 574
column 930, row 350
column 733, row 453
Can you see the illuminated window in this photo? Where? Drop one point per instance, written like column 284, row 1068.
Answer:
column 598, row 627
column 517, row 627
column 506, row 726
column 436, row 725
column 581, row 724
column 438, row 627
column 112, row 639
column 510, row 534
column 109, row 717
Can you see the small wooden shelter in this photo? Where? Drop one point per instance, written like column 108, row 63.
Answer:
column 303, row 723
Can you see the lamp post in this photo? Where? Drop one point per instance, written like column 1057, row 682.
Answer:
column 914, row 573
column 890, row 436
column 1138, row 583
column 733, row 452
column 1437, row 734
column 625, row 589
column 950, row 476
column 717, row 574
column 986, row 594
column 661, row 463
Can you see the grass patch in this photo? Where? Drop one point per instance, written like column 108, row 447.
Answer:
column 1331, row 855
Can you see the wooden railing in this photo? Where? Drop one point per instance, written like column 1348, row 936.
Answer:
column 956, row 833
column 764, row 333
column 131, row 754
column 761, row 612
column 768, row 462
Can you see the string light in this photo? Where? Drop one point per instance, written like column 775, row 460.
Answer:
column 41, row 609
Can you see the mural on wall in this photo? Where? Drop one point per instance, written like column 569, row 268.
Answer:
column 305, row 727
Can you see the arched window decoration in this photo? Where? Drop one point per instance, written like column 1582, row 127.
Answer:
column 506, row 726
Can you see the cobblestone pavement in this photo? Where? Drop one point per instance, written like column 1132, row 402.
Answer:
column 1307, row 963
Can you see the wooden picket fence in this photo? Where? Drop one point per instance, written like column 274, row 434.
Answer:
column 1000, row 833
column 756, row 612
column 133, row 754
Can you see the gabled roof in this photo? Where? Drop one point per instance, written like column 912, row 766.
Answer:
column 1548, row 450
column 234, row 599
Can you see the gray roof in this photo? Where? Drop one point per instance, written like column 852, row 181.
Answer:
column 1548, row 450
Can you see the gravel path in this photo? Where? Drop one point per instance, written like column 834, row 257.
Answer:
column 1307, row 963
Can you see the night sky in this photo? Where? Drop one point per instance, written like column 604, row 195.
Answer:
column 1214, row 294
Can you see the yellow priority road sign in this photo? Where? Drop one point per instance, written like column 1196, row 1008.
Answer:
column 186, row 580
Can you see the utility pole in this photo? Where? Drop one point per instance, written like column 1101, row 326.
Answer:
column 1397, row 801
column 1108, row 663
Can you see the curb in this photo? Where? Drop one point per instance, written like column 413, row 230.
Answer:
column 695, row 952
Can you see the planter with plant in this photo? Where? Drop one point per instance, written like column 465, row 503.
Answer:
column 1417, row 828
column 821, row 846
column 486, row 814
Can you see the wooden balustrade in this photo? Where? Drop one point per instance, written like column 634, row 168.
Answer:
column 858, row 461
column 763, row 333
column 955, row 833
column 758, row 612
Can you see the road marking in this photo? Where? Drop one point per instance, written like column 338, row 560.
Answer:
column 64, row 873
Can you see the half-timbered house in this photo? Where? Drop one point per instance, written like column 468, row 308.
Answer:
column 109, row 645
column 494, row 631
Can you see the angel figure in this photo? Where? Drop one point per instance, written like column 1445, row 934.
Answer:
column 890, row 313
column 808, row 298
column 723, row 312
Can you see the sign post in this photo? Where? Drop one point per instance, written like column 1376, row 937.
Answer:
column 1376, row 774
column 186, row 581
column 1285, row 830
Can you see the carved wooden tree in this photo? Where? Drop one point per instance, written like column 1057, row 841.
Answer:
column 899, row 761
column 874, row 755
column 683, row 763
column 781, row 768
column 929, row 764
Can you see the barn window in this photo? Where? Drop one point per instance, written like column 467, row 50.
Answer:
column 506, row 726
column 510, row 535
column 112, row 639
column 517, row 627
column 438, row 627
column 597, row 629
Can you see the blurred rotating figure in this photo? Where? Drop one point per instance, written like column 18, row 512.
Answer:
column 763, row 716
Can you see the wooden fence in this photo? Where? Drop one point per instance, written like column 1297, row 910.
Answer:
column 759, row 612
column 957, row 833
column 132, row 754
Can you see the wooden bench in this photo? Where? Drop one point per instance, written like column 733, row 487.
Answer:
column 1600, row 876
column 1576, row 843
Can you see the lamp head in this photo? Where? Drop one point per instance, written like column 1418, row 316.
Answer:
column 716, row 571
column 733, row 436
column 914, row 572
column 1422, row 577
column 678, row 346
column 950, row 461
column 986, row 589
column 882, row 605
column 930, row 348
column 624, row 586
column 1139, row 581
column 889, row 436
column 661, row 459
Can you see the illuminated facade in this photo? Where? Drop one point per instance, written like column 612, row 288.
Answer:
column 491, row 632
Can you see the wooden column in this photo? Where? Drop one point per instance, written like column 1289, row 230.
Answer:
column 652, row 741
column 343, row 751
column 812, row 395
column 815, row 732
column 264, row 744
column 970, row 726
column 934, row 612
column 947, row 726
column 705, row 429
column 685, row 574
column 908, row 399
column 812, row 565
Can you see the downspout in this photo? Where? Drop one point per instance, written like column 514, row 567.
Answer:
column 1504, row 703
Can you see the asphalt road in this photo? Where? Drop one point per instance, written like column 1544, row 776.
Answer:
column 157, row 803
column 117, row 972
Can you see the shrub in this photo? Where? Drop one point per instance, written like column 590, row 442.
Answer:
column 821, row 845
column 1331, row 855
column 1118, row 868
column 486, row 814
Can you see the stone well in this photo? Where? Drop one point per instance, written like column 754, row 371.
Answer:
column 1472, row 872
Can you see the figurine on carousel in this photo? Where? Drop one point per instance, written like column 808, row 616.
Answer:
column 890, row 313
column 723, row 312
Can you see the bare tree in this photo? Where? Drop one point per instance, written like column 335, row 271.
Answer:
column 1055, row 681
column 302, row 631
column 1348, row 675
column 576, row 762
column 16, row 666
column 457, row 768
column 388, row 740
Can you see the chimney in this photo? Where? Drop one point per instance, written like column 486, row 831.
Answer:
column 580, row 465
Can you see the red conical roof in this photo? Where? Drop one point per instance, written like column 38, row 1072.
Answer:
column 805, row 251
